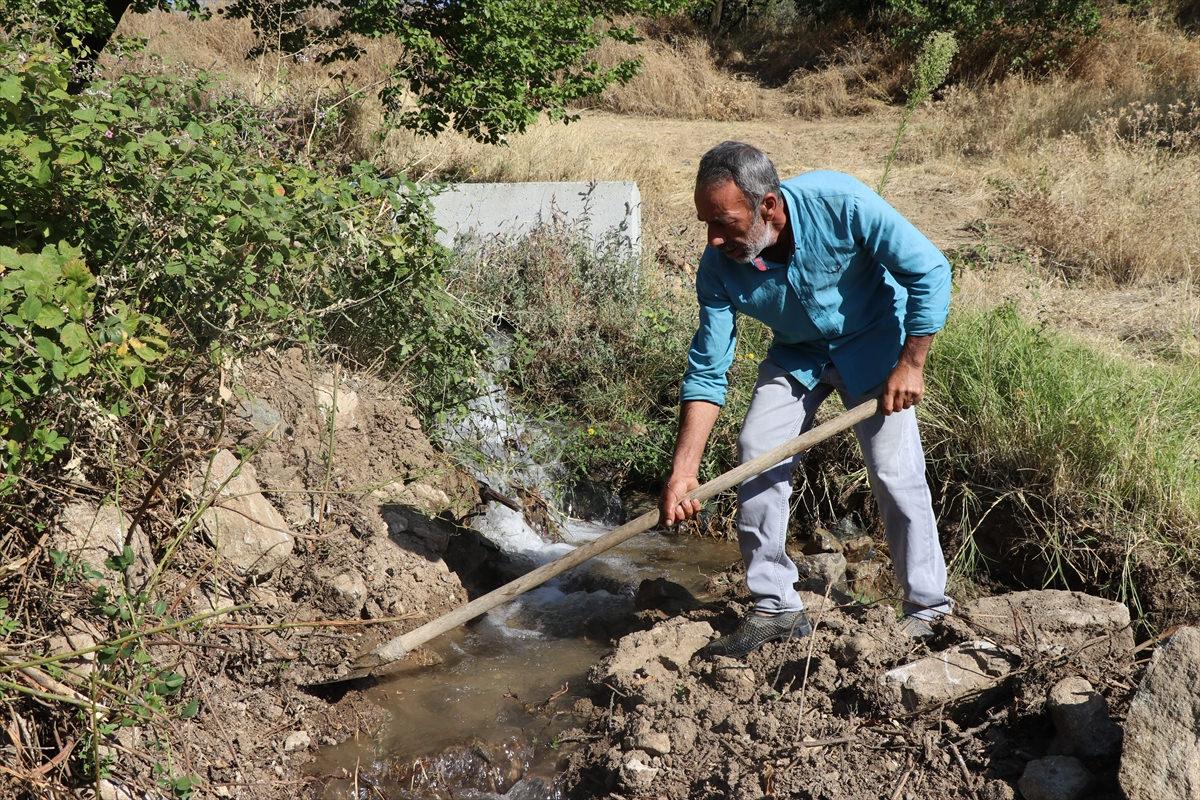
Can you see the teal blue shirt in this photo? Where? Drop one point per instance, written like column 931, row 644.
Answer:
column 861, row 279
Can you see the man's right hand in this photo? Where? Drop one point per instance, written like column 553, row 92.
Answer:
column 674, row 508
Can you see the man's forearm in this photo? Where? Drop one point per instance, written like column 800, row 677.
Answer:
column 916, row 350
column 696, row 420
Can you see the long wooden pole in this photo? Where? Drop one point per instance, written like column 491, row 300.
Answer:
column 377, row 661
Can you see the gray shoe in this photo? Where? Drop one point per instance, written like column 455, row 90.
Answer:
column 756, row 630
column 915, row 628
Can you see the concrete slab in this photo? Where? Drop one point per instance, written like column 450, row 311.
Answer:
column 609, row 213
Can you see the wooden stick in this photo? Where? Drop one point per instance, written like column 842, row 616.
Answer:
column 376, row 662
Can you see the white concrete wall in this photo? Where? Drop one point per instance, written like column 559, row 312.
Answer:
column 607, row 212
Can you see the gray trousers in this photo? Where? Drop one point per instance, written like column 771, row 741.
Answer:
column 781, row 409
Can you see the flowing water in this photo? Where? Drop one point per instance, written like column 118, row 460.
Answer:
column 477, row 723
column 474, row 725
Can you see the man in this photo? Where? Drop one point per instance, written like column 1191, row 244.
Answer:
column 854, row 294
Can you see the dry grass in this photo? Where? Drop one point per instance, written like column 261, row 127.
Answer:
column 680, row 79
column 1113, row 212
column 1130, row 63
column 221, row 45
column 1101, row 163
column 857, row 80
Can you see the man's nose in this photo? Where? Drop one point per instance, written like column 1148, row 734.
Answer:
column 715, row 238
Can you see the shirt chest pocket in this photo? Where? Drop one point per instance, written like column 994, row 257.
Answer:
column 828, row 257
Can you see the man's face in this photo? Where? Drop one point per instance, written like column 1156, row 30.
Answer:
column 737, row 230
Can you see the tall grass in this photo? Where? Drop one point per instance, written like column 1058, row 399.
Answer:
column 1112, row 212
column 1095, row 459
column 1094, row 432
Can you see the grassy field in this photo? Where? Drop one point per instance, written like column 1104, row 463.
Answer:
column 1066, row 402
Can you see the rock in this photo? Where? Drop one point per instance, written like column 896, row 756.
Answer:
column 859, row 647
column 242, row 525
column 259, row 415
column 1053, row 620
column 1081, row 720
column 644, row 736
column 636, row 774
column 1161, row 759
column 108, row 790
column 347, row 589
column 869, row 580
column 434, row 532
column 1054, row 778
column 996, row 790
column 859, row 548
column 91, row 534
column 339, row 399
column 822, row 541
column 946, row 676
column 846, row 529
column 820, row 571
column 647, row 663
column 77, row 634
column 297, row 740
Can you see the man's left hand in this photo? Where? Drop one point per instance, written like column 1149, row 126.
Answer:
column 904, row 388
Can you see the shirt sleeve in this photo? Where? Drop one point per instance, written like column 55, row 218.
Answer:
column 711, row 352
column 912, row 259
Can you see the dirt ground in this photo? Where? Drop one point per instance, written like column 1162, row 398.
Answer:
column 813, row 718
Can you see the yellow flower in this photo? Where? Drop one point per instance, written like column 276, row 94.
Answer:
column 591, row 431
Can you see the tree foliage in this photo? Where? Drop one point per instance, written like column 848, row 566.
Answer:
column 486, row 68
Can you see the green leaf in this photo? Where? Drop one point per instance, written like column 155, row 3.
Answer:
column 35, row 149
column 69, row 158
column 10, row 89
column 49, row 317
column 73, row 336
column 30, row 309
column 191, row 709
column 137, row 377
column 46, row 348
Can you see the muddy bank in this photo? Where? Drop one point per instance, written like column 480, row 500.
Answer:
column 321, row 520
column 989, row 709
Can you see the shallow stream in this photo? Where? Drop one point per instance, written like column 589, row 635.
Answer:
column 478, row 723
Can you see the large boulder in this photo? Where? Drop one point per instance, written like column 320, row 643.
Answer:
column 647, row 663
column 242, row 525
column 947, row 676
column 1162, row 729
column 1053, row 620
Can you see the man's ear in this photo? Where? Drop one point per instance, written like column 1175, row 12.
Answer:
column 769, row 205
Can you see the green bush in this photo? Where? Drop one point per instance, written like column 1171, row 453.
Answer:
column 54, row 344
column 193, row 207
column 1008, row 35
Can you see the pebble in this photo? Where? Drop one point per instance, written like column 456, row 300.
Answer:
column 297, row 740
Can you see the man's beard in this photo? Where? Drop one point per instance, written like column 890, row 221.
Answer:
column 759, row 239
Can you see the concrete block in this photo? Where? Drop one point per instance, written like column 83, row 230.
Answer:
column 609, row 213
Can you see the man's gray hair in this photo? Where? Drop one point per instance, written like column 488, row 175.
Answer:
column 745, row 165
